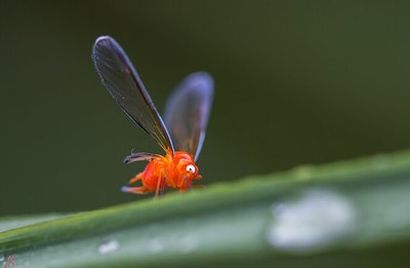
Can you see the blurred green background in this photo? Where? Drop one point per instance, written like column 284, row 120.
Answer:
column 297, row 82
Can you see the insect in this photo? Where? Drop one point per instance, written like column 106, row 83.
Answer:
column 180, row 134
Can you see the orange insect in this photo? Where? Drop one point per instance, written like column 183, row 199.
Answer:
column 181, row 133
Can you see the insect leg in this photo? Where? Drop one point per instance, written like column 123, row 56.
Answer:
column 158, row 190
column 134, row 157
column 135, row 190
column 138, row 177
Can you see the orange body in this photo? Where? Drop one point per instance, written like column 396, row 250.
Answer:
column 174, row 170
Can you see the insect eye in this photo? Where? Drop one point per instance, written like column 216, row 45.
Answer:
column 191, row 169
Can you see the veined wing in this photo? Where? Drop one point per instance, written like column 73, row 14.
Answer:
column 187, row 112
column 122, row 81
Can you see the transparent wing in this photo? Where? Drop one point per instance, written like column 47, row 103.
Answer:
column 124, row 84
column 187, row 112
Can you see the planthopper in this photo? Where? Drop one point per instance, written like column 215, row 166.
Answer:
column 180, row 133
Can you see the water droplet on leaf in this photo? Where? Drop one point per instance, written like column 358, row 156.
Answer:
column 315, row 219
column 109, row 247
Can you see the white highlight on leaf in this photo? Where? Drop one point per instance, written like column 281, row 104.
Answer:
column 188, row 244
column 183, row 244
column 316, row 219
column 109, row 247
column 155, row 245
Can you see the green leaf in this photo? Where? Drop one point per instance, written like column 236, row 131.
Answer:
column 8, row 223
column 343, row 214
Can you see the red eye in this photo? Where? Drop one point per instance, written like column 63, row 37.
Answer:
column 191, row 169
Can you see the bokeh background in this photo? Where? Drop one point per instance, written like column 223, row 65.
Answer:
column 297, row 82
